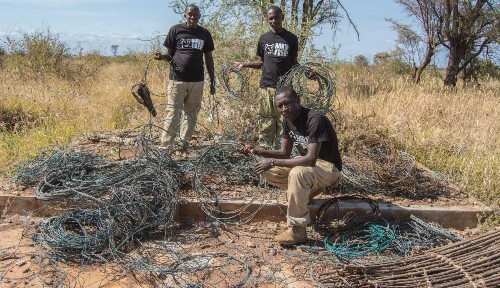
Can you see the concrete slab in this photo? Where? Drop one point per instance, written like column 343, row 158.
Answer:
column 457, row 217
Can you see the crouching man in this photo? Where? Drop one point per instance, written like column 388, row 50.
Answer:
column 305, row 176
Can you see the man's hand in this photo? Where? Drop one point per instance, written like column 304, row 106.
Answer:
column 212, row 87
column 263, row 165
column 246, row 148
column 159, row 56
column 238, row 64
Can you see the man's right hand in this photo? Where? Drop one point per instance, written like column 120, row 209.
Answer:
column 158, row 55
column 239, row 64
column 246, row 148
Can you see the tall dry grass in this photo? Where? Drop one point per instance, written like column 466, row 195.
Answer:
column 60, row 109
column 454, row 131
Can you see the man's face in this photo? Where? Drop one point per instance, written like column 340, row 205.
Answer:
column 275, row 20
column 192, row 16
column 288, row 105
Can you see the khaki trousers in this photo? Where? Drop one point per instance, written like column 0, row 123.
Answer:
column 181, row 96
column 270, row 127
column 302, row 184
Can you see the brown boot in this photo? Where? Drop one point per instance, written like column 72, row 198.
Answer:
column 293, row 235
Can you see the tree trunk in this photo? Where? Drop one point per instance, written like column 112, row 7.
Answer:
column 431, row 48
column 305, row 28
column 294, row 15
column 458, row 50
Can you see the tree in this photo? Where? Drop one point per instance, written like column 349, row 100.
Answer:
column 464, row 27
column 382, row 57
column 302, row 17
column 420, row 42
column 114, row 49
column 361, row 60
column 2, row 54
column 468, row 28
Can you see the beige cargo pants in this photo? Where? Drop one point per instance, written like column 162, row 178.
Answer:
column 181, row 96
column 269, row 118
column 302, row 184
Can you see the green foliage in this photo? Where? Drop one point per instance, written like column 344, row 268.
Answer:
column 40, row 53
column 392, row 61
column 2, row 56
column 236, row 25
column 361, row 60
column 487, row 68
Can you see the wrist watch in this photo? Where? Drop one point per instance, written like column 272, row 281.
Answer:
column 272, row 161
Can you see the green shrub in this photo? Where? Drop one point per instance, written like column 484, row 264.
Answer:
column 40, row 53
column 2, row 57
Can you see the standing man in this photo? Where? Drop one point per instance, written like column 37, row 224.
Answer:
column 277, row 49
column 305, row 176
column 186, row 44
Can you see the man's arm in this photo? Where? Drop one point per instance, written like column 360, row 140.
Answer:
column 308, row 160
column 209, row 62
column 284, row 152
column 167, row 57
column 255, row 64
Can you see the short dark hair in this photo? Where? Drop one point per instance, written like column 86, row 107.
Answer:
column 192, row 6
column 288, row 89
column 275, row 8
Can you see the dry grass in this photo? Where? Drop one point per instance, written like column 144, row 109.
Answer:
column 455, row 132
column 62, row 109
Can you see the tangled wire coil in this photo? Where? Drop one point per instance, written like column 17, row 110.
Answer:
column 313, row 82
column 219, row 170
column 233, row 86
column 365, row 237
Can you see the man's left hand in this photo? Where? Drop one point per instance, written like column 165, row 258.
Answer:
column 263, row 165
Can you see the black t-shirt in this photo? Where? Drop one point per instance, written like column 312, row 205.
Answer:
column 313, row 127
column 277, row 51
column 189, row 46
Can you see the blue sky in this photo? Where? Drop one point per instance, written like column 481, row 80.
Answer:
column 98, row 24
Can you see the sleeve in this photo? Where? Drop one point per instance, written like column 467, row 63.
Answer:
column 286, row 130
column 294, row 50
column 317, row 129
column 260, row 51
column 170, row 41
column 209, row 45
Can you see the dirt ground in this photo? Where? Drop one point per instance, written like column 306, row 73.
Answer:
column 242, row 254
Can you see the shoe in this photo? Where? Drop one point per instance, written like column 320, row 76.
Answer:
column 182, row 145
column 293, row 235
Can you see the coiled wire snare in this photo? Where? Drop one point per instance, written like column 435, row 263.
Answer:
column 314, row 84
column 222, row 174
column 233, row 81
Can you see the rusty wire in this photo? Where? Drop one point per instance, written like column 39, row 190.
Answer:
column 473, row 262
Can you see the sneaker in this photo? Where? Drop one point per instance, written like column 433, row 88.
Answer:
column 293, row 235
column 182, row 145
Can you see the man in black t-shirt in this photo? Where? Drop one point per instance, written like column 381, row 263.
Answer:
column 186, row 45
column 277, row 50
column 305, row 176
